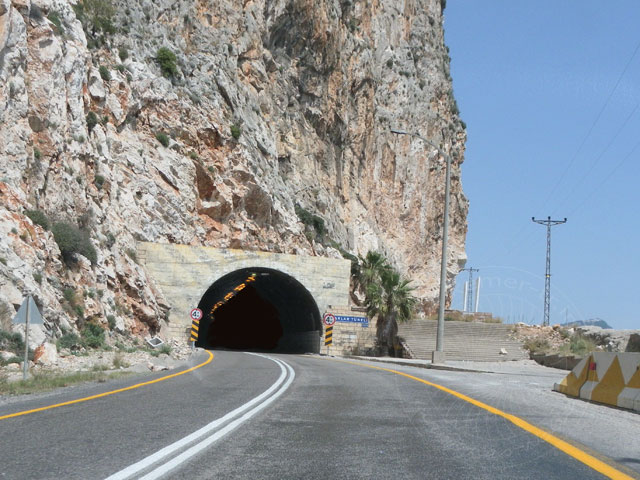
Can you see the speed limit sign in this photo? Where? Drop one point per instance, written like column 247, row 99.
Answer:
column 329, row 319
column 196, row 314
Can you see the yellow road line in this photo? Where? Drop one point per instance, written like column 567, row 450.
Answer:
column 581, row 456
column 112, row 392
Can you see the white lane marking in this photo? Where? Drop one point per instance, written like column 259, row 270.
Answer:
column 198, row 447
column 172, row 448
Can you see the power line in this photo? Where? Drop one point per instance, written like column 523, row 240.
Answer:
column 547, row 277
column 598, row 158
column 584, row 140
column 606, row 179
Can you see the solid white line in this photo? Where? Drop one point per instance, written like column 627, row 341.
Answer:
column 197, row 448
column 169, row 449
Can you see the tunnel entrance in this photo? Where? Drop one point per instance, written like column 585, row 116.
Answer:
column 259, row 309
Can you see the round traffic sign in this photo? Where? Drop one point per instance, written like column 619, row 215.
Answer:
column 329, row 319
column 196, row 314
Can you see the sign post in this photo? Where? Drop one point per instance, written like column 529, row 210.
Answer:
column 329, row 319
column 26, row 343
column 28, row 313
column 196, row 315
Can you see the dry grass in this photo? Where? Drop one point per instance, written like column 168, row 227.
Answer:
column 44, row 381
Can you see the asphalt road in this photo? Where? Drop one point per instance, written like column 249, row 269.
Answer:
column 331, row 420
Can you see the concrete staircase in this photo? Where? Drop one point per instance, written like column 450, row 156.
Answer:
column 480, row 342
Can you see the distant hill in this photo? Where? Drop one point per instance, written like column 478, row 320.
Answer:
column 598, row 322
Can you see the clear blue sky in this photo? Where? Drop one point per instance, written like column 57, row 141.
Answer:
column 553, row 130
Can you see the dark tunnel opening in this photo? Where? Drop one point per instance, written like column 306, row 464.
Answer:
column 259, row 309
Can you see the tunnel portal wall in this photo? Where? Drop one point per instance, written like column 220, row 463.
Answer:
column 183, row 273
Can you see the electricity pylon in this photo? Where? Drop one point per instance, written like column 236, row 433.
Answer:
column 468, row 306
column 547, row 277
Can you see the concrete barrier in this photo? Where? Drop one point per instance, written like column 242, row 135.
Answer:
column 605, row 377
column 563, row 362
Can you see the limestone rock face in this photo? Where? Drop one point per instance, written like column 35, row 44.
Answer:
column 270, row 104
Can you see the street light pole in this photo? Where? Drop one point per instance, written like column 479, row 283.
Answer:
column 438, row 355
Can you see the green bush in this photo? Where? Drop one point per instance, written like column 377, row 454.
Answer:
column 236, row 131
column 111, row 239
column 311, row 220
column 123, row 53
column 580, row 345
column 99, row 181
column 111, row 320
column 163, row 138
column 537, row 345
column 70, row 341
column 38, row 217
column 69, row 295
column 92, row 119
column 57, row 23
column 167, row 60
column 37, row 276
column 105, row 74
column 37, row 154
column 11, row 342
column 119, row 361
column 71, row 240
column 166, row 349
column 93, row 336
column 96, row 16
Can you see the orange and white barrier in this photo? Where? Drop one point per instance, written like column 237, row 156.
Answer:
column 605, row 377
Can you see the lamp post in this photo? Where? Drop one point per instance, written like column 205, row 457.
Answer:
column 438, row 355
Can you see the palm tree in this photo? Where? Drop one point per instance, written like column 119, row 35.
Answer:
column 387, row 296
column 398, row 308
column 370, row 270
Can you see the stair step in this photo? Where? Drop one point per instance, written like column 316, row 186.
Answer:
column 463, row 340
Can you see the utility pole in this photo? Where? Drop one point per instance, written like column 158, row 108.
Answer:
column 547, row 277
column 438, row 356
column 468, row 305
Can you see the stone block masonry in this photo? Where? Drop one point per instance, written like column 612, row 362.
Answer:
column 183, row 273
column 350, row 338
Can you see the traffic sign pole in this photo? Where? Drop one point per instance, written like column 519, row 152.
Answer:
column 26, row 343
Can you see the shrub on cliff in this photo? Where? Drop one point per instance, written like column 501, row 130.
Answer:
column 54, row 18
column 236, row 131
column 70, row 341
column 311, row 220
column 163, row 138
column 96, row 16
column 167, row 60
column 105, row 74
column 93, row 336
column 123, row 53
column 11, row 342
column 71, row 240
column 92, row 120
column 38, row 217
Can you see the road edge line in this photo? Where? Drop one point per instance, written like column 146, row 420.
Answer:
column 565, row 447
column 105, row 394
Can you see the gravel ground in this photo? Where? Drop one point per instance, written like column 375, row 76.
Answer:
column 101, row 360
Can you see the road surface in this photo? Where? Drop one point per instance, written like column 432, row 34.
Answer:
column 320, row 418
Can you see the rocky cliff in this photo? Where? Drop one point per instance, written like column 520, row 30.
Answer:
column 253, row 124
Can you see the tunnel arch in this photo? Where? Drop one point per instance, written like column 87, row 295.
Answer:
column 259, row 309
